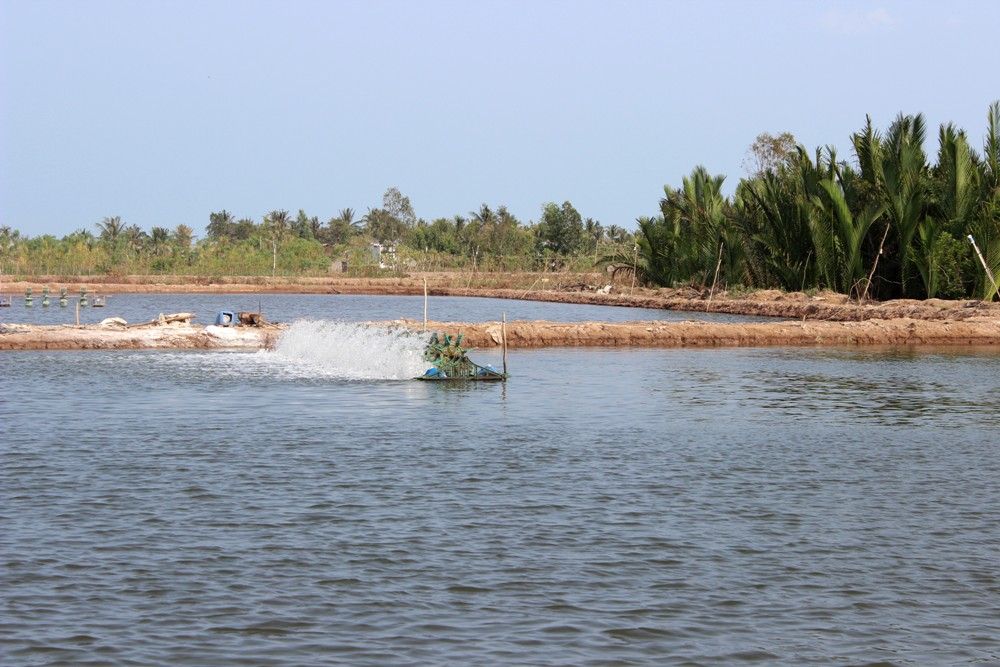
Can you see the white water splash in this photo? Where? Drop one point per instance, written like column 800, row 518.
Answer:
column 349, row 350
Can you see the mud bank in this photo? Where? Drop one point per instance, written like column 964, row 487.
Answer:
column 170, row 337
column 978, row 332
column 770, row 303
column 972, row 332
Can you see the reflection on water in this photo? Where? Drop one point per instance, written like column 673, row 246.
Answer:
column 892, row 387
column 604, row 507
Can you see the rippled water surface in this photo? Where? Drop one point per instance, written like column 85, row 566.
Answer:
column 604, row 507
column 349, row 307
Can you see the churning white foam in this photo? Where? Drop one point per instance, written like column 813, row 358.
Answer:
column 350, row 350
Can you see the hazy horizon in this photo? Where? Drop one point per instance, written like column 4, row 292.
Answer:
column 161, row 113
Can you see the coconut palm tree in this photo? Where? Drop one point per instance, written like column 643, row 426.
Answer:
column 182, row 237
column 159, row 238
column 135, row 238
column 593, row 233
column 339, row 229
column 276, row 226
column 484, row 216
column 479, row 231
column 617, row 234
column 221, row 225
column 111, row 228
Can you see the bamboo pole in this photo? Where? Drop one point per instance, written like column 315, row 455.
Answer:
column 425, row 304
column 635, row 262
column 717, row 267
column 503, row 341
column 868, row 283
column 530, row 288
column 983, row 262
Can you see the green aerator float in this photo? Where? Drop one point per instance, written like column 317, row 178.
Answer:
column 450, row 362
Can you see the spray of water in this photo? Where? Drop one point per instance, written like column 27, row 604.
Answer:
column 349, row 350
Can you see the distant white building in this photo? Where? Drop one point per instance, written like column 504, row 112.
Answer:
column 384, row 255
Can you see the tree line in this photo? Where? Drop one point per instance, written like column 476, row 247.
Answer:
column 485, row 232
column 282, row 243
column 889, row 222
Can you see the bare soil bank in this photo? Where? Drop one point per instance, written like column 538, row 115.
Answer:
column 977, row 332
column 972, row 332
column 169, row 337
column 561, row 288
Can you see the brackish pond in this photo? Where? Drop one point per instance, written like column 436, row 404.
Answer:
column 604, row 507
column 288, row 307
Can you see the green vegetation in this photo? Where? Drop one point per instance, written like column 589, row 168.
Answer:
column 282, row 245
column 890, row 223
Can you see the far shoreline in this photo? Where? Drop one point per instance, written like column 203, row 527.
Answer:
column 569, row 288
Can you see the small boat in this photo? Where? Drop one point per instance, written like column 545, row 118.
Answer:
column 99, row 301
column 450, row 363
column 4, row 301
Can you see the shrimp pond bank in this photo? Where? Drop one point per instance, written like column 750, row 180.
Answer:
column 566, row 324
column 306, row 504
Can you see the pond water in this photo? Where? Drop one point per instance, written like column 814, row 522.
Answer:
column 355, row 308
column 603, row 507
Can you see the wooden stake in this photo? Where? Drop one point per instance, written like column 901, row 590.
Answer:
column 425, row 304
column 503, row 341
column 718, row 266
column 635, row 262
column 530, row 288
column 983, row 262
column 868, row 283
column 77, row 312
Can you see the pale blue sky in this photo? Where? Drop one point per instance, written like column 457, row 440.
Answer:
column 164, row 111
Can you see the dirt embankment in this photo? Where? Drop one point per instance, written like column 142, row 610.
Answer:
column 978, row 332
column 770, row 303
column 97, row 337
